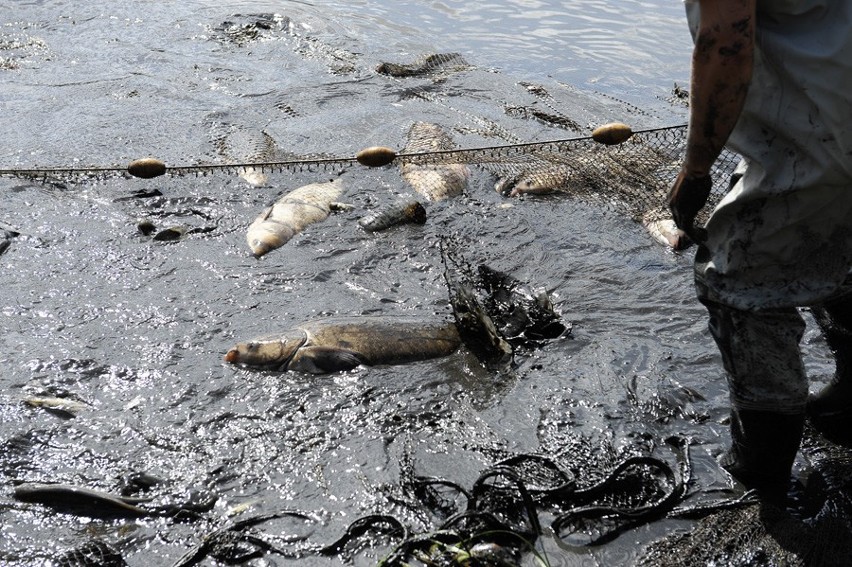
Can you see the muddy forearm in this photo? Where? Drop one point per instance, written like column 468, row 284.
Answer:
column 722, row 66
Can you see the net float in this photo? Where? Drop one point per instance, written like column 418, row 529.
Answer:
column 375, row 156
column 146, row 168
column 612, row 133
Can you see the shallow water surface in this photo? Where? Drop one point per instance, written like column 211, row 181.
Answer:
column 134, row 329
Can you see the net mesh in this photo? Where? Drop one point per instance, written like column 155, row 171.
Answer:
column 633, row 177
column 458, row 139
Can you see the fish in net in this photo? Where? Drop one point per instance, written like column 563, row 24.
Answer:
column 632, row 177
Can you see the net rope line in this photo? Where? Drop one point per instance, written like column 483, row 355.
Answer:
column 470, row 155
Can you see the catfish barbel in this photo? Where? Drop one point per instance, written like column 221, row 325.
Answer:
column 334, row 344
column 288, row 216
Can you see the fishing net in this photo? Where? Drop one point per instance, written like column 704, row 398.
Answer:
column 497, row 520
column 632, row 178
column 814, row 531
column 453, row 145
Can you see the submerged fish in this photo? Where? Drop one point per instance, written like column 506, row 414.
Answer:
column 241, row 144
column 288, row 216
column 98, row 503
column 90, row 501
column 426, row 65
column 393, row 214
column 435, row 181
column 65, row 407
column 330, row 345
column 7, row 233
column 537, row 182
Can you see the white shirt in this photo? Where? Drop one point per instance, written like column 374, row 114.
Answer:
column 783, row 235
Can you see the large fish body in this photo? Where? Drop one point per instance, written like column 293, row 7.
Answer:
column 334, row 344
column 239, row 144
column 432, row 180
column 539, row 182
column 288, row 216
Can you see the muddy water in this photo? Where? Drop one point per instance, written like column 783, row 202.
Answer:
column 134, row 329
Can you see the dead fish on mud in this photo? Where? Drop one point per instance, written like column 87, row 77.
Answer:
column 435, row 181
column 330, row 345
column 288, row 216
column 98, row 503
column 63, row 407
column 396, row 213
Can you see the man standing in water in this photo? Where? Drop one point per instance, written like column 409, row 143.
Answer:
column 773, row 80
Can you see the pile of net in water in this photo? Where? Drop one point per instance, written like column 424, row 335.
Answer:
column 815, row 530
column 497, row 521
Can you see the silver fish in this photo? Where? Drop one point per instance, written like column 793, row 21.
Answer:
column 64, row 406
column 662, row 228
column 433, row 181
column 242, row 144
column 395, row 213
column 330, row 345
column 91, row 501
column 98, row 503
column 539, row 182
column 288, row 216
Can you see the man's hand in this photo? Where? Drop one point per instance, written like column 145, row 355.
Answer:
column 687, row 196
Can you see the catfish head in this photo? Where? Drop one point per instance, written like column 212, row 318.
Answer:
column 273, row 352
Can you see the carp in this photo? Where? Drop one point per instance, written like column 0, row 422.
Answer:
column 662, row 228
column 393, row 214
column 539, row 182
column 430, row 64
column 335, row 344
column 242, row 146
column 435, row 181
column 524, row 316
column 288, row 216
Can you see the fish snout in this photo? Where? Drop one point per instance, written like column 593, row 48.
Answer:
column 233, row 356
column 260, row 247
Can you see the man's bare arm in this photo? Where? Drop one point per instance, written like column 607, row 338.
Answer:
column 722, row 64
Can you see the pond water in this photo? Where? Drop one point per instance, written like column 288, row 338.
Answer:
column 135, row 329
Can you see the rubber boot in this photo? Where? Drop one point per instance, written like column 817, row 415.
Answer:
column 763, row 447
column 830, row 410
